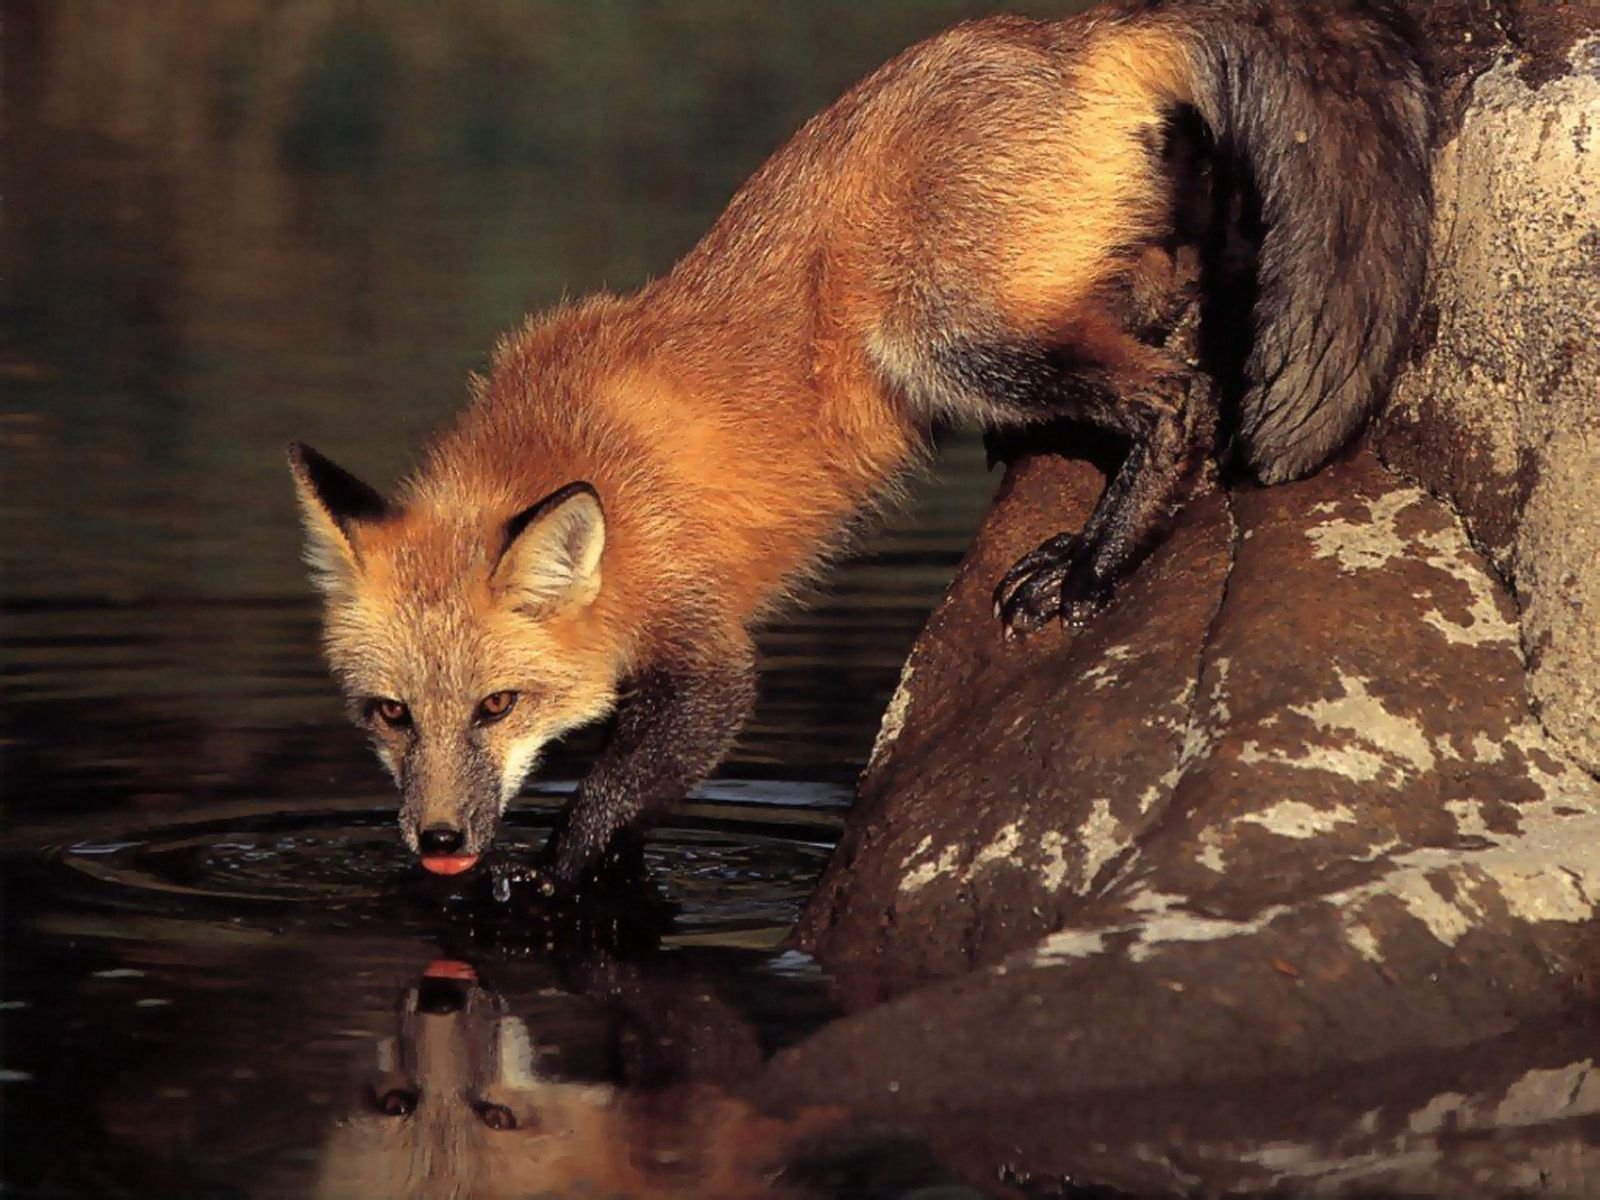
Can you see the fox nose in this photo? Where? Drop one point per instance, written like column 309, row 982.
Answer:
column 440, row 839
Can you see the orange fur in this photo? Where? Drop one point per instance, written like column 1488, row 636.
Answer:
column 739, row 416
column 736, row 415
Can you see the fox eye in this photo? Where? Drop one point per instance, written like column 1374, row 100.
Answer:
column 396, row 1102
column 391, row 712
column 496, row 1116
column 495, row 706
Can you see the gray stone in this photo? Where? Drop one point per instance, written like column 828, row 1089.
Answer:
column 990, row 809
column 1500, row 411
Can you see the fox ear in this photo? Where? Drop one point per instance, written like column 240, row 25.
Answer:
column 552, row 550
column 332, row 503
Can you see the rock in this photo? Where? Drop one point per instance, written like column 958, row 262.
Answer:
column 1319, row 881
column 1500, row 411
column 1300, row 736
column 989, row 809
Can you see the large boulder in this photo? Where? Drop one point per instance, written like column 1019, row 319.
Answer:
column 1300, row 736
column 1268, row 881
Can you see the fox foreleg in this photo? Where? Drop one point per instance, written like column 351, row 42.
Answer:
column 673, row 725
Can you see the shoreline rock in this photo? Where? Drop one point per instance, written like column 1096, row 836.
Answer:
column 1499, row 412
column 1311, row 697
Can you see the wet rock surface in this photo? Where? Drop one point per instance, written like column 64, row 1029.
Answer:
column 1258, row 883
column 1517, row 1114
column 1043, row 804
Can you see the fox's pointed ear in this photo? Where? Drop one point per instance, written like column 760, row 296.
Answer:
column 552, row 551
column 332, row 503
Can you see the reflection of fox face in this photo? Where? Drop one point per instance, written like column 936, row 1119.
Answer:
column 463, row 644
column 451, row 1095
column 459, row 1108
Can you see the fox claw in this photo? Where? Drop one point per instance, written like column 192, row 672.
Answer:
column 567, row 868
column 1053, row 581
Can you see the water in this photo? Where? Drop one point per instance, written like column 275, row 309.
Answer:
column 204, row 1004
column 235, row 224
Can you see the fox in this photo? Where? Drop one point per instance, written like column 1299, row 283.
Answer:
column 994, row 230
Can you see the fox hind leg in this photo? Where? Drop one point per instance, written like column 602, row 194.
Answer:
column 1071, row 576
column 1164, row 406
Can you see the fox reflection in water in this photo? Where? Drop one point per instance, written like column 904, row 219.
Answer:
column 466, row 1102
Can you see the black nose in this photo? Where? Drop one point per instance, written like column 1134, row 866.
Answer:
column 440, row 839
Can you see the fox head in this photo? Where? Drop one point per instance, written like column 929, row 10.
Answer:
column 465, row 636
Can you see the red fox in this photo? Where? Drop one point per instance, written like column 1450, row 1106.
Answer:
column 972, row 234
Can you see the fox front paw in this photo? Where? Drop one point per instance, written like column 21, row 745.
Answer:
column 1053, row 581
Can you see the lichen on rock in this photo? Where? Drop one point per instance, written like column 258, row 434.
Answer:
column 1310, row 697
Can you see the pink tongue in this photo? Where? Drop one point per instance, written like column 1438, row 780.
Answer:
column 449, row 864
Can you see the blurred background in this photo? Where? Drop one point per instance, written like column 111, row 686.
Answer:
column 232, row 223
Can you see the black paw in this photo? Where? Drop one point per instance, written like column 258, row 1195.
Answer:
column 1082, row 602
column 1052, row 582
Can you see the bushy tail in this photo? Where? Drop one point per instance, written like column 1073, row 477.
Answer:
column 1328, row 106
